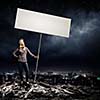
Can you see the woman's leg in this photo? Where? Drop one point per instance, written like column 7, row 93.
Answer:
column 26, row 68
column 20, row 68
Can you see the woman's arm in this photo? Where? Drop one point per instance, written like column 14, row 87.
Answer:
column 14, row 53
column 31, row 53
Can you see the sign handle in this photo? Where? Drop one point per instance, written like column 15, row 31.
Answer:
column 36, row 68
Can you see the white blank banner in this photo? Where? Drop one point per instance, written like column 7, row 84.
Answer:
column 42, row 23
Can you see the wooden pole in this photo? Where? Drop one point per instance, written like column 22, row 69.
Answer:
column 36, row 68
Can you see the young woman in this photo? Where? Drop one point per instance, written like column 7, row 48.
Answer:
column 21, row 54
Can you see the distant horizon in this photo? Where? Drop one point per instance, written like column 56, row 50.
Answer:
column 50, row 69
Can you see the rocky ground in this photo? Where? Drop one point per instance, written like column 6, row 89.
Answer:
column 44, row 91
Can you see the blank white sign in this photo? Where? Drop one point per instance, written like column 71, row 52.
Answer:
column 42, row 23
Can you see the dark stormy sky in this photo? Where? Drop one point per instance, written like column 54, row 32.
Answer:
column 79, row 52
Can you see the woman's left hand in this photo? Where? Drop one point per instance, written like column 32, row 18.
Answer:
column 36, row 57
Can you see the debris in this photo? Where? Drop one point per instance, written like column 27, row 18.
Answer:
column 17, row 89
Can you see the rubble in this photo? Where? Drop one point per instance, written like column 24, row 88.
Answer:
column 39, row 90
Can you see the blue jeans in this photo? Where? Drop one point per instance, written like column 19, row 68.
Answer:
column 23, row 67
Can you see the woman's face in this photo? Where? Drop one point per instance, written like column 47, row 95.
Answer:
column 21, row 43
